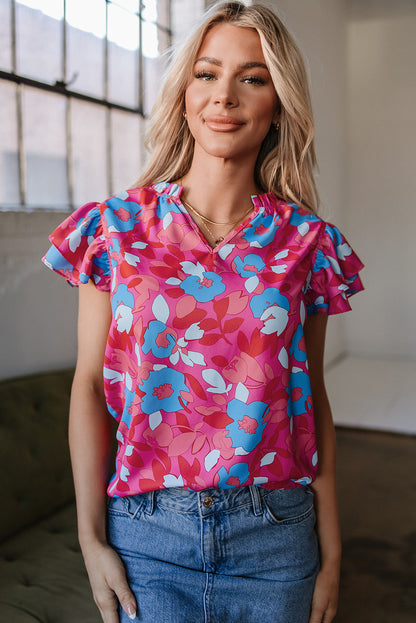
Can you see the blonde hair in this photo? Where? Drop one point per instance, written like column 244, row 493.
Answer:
column 286, row 159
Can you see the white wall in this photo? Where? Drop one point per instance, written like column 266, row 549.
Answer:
column 381, row 214
column 319, row 28
column 38, row 309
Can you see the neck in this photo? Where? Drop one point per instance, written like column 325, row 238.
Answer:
column 212, row 178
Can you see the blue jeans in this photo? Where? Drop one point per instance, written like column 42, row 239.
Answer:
column 242, row 555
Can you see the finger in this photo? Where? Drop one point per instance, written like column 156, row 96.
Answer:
column 107, row 604
column 126, row 598
column 317, row 614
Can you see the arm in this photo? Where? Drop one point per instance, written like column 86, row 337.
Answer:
column 90, row 446
column 325, row 598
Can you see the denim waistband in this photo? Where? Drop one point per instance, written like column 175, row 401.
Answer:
column 209, row 500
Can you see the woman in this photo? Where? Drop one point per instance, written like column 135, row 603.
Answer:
column 221, row 278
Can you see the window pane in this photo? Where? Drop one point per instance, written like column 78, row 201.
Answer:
column 39, row 44
column 163, row 39
column 130, row 5
column 185, row 14
column 126, row 149
column 85, row 56
column 153, row 68
column 123, row 35
column 163, row 12
column 9, row 161
column 5, row 36
column 45, row 148
column 89, row 148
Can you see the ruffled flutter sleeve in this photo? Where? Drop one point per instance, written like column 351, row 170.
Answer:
column 79, row 251
column 334, row 274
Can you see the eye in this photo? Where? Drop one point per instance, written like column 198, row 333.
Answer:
column 204, row 75
column 256, row 80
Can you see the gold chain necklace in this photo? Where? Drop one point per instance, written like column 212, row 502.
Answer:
column 205, row 218
column 216, row 240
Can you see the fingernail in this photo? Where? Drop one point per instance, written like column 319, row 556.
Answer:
column 131, row 611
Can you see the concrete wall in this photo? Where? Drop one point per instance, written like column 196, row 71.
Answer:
column 319, row 28
column 38, row 309
column 381, row 214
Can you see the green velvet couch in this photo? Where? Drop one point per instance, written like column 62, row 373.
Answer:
column 42, row 575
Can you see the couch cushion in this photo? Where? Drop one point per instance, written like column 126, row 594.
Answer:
column 42, row 575
column 35, row 469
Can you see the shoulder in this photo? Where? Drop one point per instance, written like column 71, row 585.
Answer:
column 290, row 213
column 121, row 212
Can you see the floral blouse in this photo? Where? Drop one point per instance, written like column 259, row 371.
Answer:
column 205, row 366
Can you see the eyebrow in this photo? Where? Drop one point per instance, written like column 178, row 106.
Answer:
column 216, row 61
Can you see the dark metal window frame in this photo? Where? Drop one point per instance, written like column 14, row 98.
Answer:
column 61, row 87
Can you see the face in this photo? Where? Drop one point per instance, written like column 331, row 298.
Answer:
column 230, row 101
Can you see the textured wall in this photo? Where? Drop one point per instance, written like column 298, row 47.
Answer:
column 319, row 28
column 382, row 182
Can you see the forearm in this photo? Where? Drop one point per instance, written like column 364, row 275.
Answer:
column 326, row 504
column 90, row 447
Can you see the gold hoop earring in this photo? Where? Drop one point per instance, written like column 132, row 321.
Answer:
column 276, row 125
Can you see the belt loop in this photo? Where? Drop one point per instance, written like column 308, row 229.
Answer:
column 256, row 500
column 150, row 503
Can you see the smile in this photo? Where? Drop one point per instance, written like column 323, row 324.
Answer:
column 223, row 124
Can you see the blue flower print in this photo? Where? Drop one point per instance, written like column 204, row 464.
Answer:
column 122, row 305
column 122, row 296
column 297, row 219
column 261, row 230
column 268, row 298
column 273, row 309
column 88, row 225
column 247, row 427
column 162, row 391
column 102, row 262
column 299, row 394
column 55, row 260
column 158, row 340
column 249, row 265
column 126, row 415
column 237, row 475
column 166, row 207
column 334, row 233
column 298, row 354
column 321, row 262
column 121, row 215
column 204, row 288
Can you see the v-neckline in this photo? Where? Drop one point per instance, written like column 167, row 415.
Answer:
column 231, row 234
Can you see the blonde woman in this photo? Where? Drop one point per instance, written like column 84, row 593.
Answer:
column 204, row 293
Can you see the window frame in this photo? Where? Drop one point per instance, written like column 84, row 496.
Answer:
column 62, row 87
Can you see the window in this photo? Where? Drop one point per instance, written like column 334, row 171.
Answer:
column 77, row 81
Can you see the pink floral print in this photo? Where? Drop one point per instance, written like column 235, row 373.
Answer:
column 205, row 366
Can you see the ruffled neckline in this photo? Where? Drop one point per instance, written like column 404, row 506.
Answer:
column 268, row 201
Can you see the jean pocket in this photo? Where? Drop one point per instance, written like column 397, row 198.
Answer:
column 129, row 506
column 289, row 507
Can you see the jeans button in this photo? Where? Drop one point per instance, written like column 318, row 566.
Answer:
column 208, row 501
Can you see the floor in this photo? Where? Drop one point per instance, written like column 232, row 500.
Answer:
column 377, row 494
column 374, row 407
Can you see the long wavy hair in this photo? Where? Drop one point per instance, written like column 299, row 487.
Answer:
column 286, row 160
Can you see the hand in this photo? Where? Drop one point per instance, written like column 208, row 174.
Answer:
column 325, row 595
column 108, row 582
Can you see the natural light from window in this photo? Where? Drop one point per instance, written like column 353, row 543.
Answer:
column 122, row 25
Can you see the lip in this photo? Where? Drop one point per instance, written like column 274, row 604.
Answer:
column 222, row 123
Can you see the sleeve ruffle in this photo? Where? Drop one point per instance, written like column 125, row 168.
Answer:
column 79, row 252
column 334, row 274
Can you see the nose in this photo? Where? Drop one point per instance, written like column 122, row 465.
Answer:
column 226, row 93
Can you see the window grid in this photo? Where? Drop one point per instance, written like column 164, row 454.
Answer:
column 62, row 88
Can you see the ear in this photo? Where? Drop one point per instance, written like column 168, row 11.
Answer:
column 277, row 114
